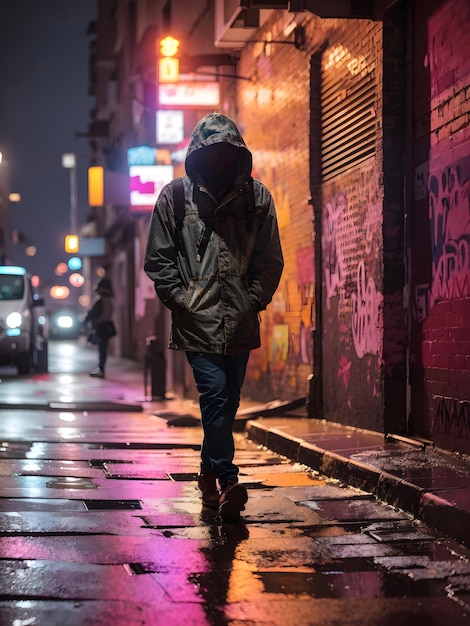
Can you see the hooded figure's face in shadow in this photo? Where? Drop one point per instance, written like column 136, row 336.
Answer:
column 220, row 157
column 219, row 165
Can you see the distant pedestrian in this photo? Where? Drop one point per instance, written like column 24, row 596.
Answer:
column 214, row 254
column 100, row 318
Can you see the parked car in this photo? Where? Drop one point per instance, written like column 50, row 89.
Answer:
column 23, row 322
column 64, row 323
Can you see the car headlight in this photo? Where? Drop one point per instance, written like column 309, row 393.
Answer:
column 14, row 320
column 65, row 321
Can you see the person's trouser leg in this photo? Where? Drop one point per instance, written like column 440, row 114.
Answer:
column 102, row 353
column 219, row 379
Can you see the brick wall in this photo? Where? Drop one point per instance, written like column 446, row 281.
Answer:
column 353, row 250
column 275, row 116
column 440, row 247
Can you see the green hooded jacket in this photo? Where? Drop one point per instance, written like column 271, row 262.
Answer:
column 220, row 265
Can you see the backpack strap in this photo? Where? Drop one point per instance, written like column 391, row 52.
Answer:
column 178, row 201
column 177, row 188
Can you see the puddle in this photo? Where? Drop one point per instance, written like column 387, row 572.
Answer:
column 70, row 482
column 14, row 450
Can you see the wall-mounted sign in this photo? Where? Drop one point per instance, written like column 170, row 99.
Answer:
column 146, row 182
column 168, row 64
column 170, row 127
column 168, row 70
column 141, row 155
column 191, row 93
column 92, row 246
column 105, row 187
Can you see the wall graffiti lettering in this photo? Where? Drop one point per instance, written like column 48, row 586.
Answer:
column 452, row 416
column 344, row 370
column 333, row 259
column 449, row 201
column 421, row 177
column 367, row 315
column 373, row 218
column 351, row 247
column 305, row 343
column 280, row 343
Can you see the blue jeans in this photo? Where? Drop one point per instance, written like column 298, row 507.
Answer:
column 219, row 379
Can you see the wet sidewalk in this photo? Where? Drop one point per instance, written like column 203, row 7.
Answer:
column 101, row 520
column 430, row 484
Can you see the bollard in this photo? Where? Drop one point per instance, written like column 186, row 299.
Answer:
column 155, row 366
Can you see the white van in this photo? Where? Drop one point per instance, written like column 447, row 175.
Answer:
column 23, row 323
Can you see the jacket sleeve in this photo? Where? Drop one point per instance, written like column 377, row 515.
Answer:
column 95, row 312
column 161, row 254
column 267, row 261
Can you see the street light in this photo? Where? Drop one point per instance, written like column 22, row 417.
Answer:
column 71, row 243
column 4, row 217
column 69, row 161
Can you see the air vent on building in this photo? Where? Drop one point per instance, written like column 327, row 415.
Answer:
column 235, row 24
column 348, row 118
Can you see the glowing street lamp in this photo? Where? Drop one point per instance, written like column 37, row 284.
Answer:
column 59, row 292
column 72, row 243
column 74, row 263
column 168, row 64
column 61, row 269
column 76, row 280
column 69, row 161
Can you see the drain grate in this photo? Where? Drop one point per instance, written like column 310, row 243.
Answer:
column 141, row 568
column 100, row 463
column 181, row 477
column 143, row 446
column 112, row 505
column 95, row 405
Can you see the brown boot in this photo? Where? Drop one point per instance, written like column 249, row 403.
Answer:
column 206, row 481
column 232, row 500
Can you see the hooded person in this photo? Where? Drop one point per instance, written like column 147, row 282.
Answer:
column 100, row 317
column 214, row 254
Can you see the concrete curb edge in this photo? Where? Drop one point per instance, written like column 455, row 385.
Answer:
column 423, row 505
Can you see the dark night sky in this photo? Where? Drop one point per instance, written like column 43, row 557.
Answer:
column 44, row 100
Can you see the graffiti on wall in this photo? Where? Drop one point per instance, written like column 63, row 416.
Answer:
column 333, row 255
column 367, row 315
column 452, row 416
column 286, row 329
column 351, row 243
column 280, row 343
column 351, row 230
column 449, row 215
column 344, row 370
column 448, row 194
column 306, row 287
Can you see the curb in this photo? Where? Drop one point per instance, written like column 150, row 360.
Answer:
column 423, row 505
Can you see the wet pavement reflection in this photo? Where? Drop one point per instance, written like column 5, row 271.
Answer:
column 102, row 524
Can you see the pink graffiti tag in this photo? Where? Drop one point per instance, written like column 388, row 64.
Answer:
column 449, row 215
column 344, row 370
column 333, row 258
column 367, row 315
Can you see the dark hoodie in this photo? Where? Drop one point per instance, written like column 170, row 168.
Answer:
column 217, row 137
column 223, row 265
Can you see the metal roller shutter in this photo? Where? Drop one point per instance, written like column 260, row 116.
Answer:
column 348, row 119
